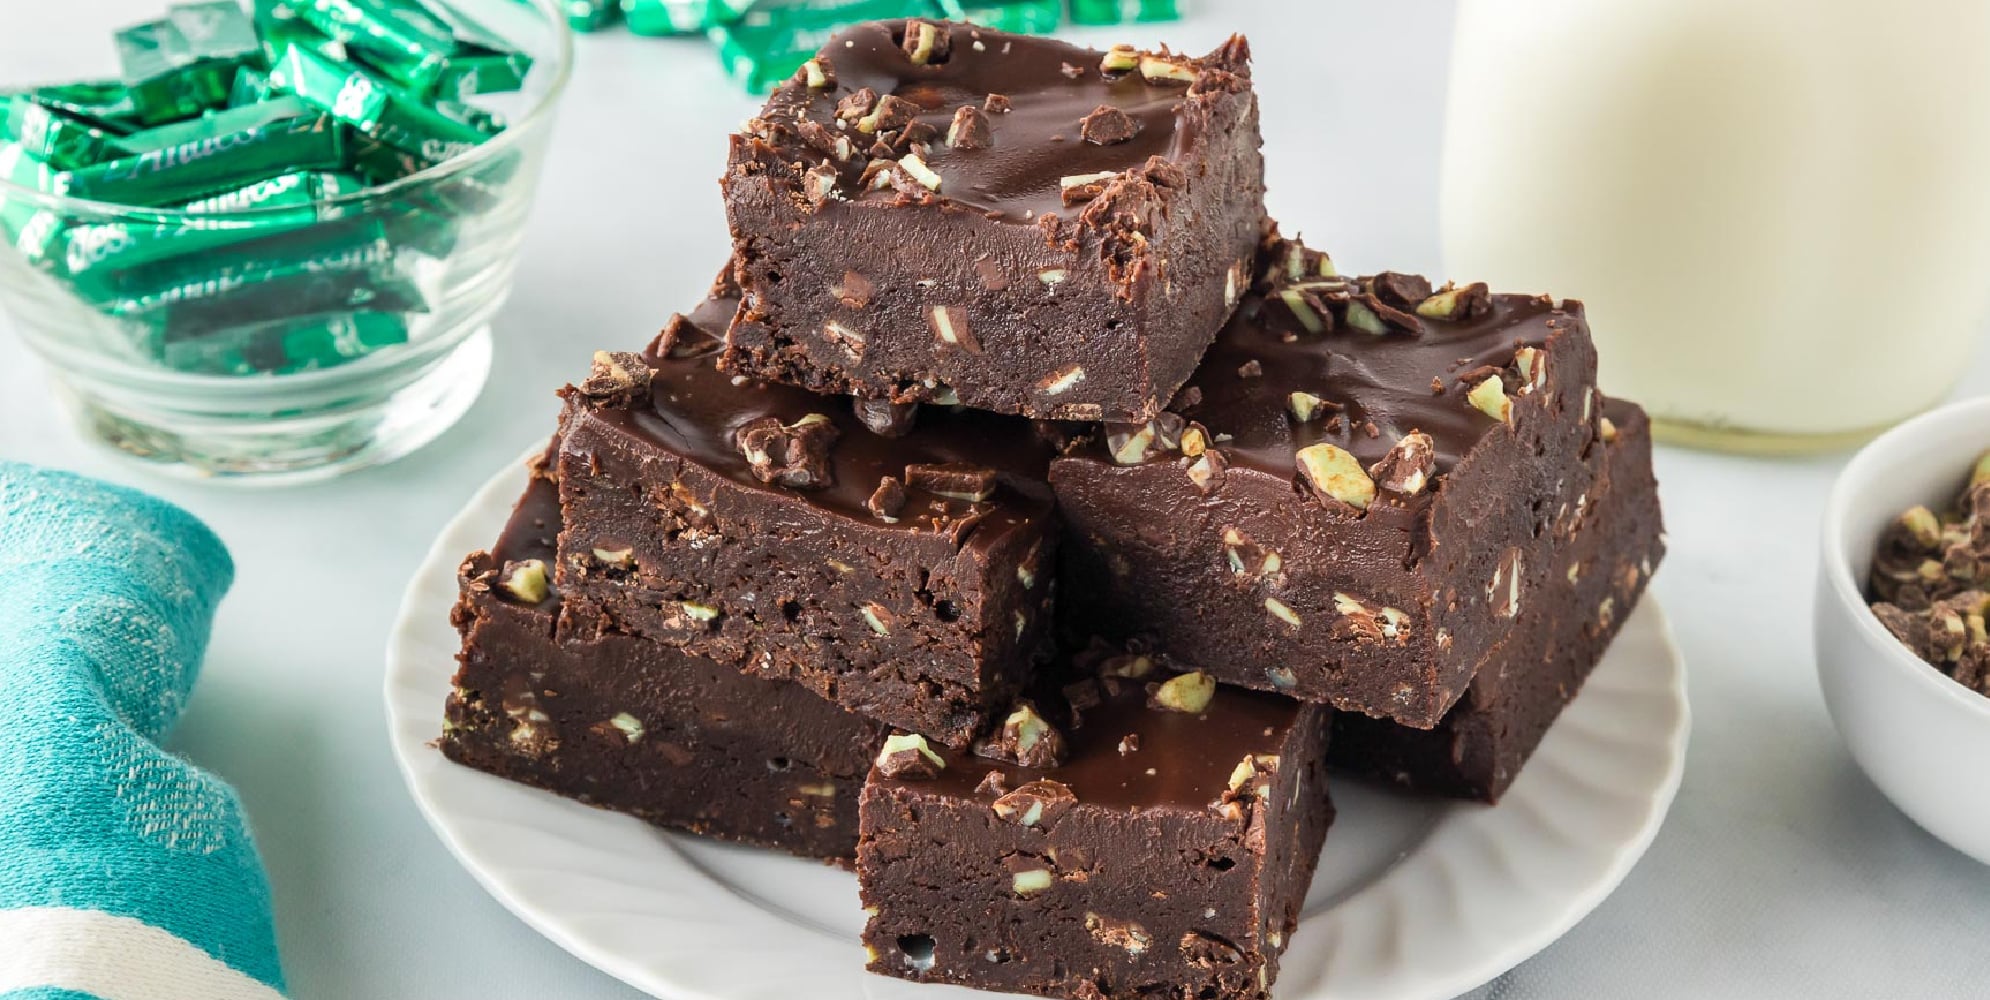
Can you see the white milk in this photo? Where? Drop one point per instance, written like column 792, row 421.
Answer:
column 1777, row 212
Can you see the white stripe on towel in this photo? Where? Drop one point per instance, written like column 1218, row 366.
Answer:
column 112, row 957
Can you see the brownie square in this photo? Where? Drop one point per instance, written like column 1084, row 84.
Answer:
column 1167, row 856
column 1606, row 552
column 637, row 727
column 1350, row 500
column 904, row 575
column 941, row 212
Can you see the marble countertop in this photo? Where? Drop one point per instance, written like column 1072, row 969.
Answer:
column 1781, row 870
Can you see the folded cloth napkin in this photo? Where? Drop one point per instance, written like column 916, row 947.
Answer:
column 126, row 873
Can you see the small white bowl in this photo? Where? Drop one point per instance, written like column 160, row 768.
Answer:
column 1920, row 736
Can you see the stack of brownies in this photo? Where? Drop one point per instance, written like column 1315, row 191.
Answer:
column 1021, row 515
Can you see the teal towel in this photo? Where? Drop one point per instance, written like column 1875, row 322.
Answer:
column 126, row 873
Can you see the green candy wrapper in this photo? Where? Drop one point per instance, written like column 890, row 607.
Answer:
column 280, row 27
column 405, row 45
column 485, row 61
column 591, row 15
column 284, row 346
column 62, row 142
column 773, row 39
column 335, row 267
column 185, row 63
column 92, row 254
column 469, row 32
column 189, row 170
column 251, row 85
column 330, row 249
column 1122, row 11
column 28, row 227
column 385, row 290
column 373, row 106
column 381, row 163
column 1028, row 17
column 680, row 17
column 418, row 49
column 215, row 124
column 104, row 104
column 329, row 341
column 482, row 71
column 428, row 224
column 484, row 120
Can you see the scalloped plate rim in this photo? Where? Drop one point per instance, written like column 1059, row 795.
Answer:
column 415, row 682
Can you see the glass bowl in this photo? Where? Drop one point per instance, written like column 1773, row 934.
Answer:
column 341, row 322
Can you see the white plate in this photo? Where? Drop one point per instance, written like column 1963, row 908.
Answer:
column 1413, row 899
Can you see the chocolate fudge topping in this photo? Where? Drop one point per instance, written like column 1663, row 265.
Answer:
column 1388, row 380
column 696, row 411
column 533, row 532
column 1183, row 760
column 1035, row 141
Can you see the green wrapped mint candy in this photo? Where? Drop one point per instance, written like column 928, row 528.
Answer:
column 215, row 124
column 279, row 25
column 251, row 85
column 1028, row 17
column 1122, row 11
column 329, row 250
column 384, row 290
column 773, row 39
column 482, row 119
column 329, row 341
column 405, row 45
column 481, row 71
column 26, row 225
column 419, row 48
column 62, row 142
column 373, row 106
column 590, row 15
column 283, row 346
column 199, row 167
column 104, row 104
column 484, row 62
column 185, row 63
column 470, row 33
column 283, row 204
column 680, row 17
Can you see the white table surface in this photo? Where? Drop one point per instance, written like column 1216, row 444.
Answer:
column 1781, row 872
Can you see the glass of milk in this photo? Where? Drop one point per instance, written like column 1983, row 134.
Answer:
column 1777, row 212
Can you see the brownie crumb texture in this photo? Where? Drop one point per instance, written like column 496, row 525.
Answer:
column 1928, row 580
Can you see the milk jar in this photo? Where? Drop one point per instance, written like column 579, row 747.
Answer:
column 1777, row 212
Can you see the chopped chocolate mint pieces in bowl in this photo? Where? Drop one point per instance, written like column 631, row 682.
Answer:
column 1900, row 619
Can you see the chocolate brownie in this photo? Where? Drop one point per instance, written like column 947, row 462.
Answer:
column 902, row 572
column 1167, row 856
column 637, row 727
column 1348, row 501
column 1606, row 550
column 941, row 212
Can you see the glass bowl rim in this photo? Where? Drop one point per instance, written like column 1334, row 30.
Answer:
column 536, row 117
